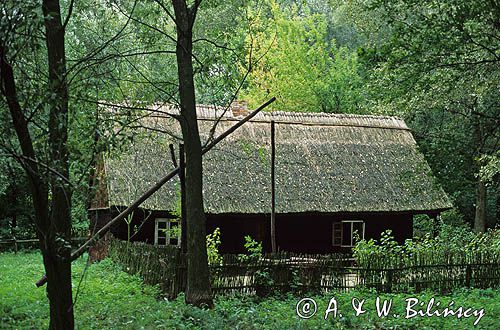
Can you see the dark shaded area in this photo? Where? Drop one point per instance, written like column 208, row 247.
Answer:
column 302, row 233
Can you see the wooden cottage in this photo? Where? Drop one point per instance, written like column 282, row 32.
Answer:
column 334, row 175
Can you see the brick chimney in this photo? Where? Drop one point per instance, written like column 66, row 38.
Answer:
column 239, row 108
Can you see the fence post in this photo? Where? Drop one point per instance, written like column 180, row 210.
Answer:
column 388, row 284
column 468, row 275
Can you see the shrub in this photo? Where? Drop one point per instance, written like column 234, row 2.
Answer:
column 213, row 244
column 453, row 217
column 453, row 242
column 253, row 248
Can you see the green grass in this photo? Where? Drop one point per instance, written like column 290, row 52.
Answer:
column 111, row 299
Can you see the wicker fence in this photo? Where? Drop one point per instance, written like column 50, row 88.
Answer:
column 13, row 244
column 284, row 272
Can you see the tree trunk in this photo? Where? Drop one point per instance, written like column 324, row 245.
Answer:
column 198, row 291
column 53, row 230
column 478, row 138
column 480, row 218
column 56, row 246
column 497, row 219
column 58, row 271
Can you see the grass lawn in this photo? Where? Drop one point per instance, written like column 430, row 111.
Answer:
column 108, row 298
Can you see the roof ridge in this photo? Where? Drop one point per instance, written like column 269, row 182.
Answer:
column 213, row 112
column 328, row 115
column 329, row 119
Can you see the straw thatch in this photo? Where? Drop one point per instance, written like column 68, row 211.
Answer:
column 324, row 163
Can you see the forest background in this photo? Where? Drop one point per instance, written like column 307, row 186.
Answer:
column 433, row 63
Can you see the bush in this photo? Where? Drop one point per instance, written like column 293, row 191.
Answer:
column 253, row 248
column 422, row 225
column 213, row 243
column 453, row 217
column 452, row 242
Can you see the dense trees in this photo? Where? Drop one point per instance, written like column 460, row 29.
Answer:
column 106, row 66
column 434, row 63
column 300, row 62
column 439, row 68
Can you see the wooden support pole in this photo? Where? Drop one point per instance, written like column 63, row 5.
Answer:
column 172, row 154
column 132, row 207
column 273, row 190
column 13, row 227
column 468, row 275
column 182, row 173
column 435, row 225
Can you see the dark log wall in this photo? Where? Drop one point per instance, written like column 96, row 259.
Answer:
column 235, row 227
column 142, row 220
column 400, row 224
column 304, row 233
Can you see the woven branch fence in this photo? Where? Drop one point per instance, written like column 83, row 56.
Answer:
column 13, row 244
column 285, row 272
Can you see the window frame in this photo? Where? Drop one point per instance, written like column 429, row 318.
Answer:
column 167, row 237
column 341, row 225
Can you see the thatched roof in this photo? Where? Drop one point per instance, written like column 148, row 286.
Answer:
column 324, row 163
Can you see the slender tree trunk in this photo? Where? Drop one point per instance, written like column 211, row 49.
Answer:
column 56, row 246
column 480, row 218
column 497, row 200
column 480, row 215
column 198, row 291
column 36, row 183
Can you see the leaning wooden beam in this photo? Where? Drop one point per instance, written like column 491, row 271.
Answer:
column 78, row 252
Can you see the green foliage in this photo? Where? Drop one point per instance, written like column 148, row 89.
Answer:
column 213, row 243
column 437, row 66
column 449, row 221
column 104, row 295
column 435, row 63
column 299, row 64
column 490, row 167
column 253, row 249
column 422, row 225
column 174, row 232
column 453, row 217
column 111, row 299
column 15, row 202
column 263, row 283
column 452, row 240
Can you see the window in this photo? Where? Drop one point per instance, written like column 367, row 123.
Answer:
column 167, row 231
column 343, row 232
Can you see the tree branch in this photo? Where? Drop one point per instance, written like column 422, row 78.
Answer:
column 70, row 11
